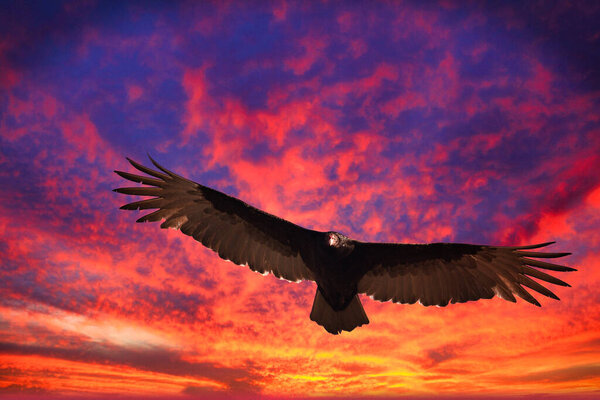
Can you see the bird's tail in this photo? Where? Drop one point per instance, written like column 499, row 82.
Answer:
column 337, row 321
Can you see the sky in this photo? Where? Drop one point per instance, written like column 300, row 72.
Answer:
column 474, row 122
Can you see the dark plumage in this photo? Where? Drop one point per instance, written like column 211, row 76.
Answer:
column 432, row 274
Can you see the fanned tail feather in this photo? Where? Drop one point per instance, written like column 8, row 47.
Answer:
column 337, row 321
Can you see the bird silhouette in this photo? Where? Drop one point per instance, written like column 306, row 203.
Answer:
column 431, row 274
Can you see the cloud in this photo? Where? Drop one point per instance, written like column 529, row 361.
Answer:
column 434, row 357
column 14, row 389
column 312, row 50
column 153, row 359
column 575, row 373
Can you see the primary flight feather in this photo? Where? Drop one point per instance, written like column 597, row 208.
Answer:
column 432, row 274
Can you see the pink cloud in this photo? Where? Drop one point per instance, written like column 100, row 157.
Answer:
column 346, row 20
column 541, row 81
column 310, row 50
column 198, row 110
column 422, row 23
column 9, row 76
column 134, row 92
column 358, row 47
column 367, row 85
column 39, row 106
column 280, row 11
column 407, row 101
column 444, row 83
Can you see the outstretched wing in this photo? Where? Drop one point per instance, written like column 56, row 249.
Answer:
column 235, row 230
column 439, row 273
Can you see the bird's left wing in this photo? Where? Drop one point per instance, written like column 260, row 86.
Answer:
column 235, row 230
column 439, row 273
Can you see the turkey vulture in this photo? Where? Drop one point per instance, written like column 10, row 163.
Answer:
column 431, row 274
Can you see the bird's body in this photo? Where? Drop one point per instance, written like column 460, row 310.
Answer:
column 335, row 274
column 432, row 274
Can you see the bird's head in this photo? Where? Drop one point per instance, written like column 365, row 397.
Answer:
column 333, row 240
column 338, row 241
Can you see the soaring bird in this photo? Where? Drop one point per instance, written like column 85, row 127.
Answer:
column 431, row 274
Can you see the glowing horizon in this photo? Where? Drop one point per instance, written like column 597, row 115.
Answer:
column 397, row 122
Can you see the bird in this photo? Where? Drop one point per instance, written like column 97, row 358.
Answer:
column 434, row 274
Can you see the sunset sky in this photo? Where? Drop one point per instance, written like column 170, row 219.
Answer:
column 474, row 122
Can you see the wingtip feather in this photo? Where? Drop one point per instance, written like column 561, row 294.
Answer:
column 166, row 171
column 132, row 162
column 157, row 165
column 540, row 254
column 546, row 265
column 532, row 246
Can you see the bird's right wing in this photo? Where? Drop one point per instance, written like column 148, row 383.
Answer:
column 439, row 273
column 235, row 230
